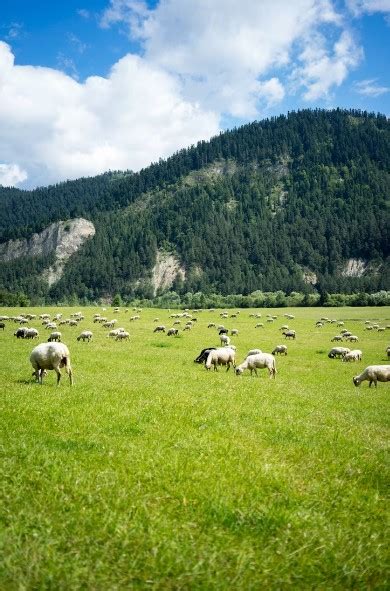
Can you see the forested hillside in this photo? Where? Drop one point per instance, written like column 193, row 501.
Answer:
column 280, row 204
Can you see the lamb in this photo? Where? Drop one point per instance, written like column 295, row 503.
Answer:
column 202, row 357
column 224, row 340
column 160, row 328
column 338, row 352
column 55, row 337
column 51, row 356
column 86, row 335
column 373, row 373
column 221, row 356
column 259, row 361
column 355, row 355
column 280, row 349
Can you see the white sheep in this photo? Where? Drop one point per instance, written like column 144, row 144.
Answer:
column 55, row 337
column 234, row 332
column 221, row 356
column 86, row 335
column 338, row 352
column 280, row 349
column 373, row 373
column 159, row 328
column 31, row 333
column 354, row 355
column 122, row 336
column 352, row 338
column 338, row 337
column 225, row 340
column 259, row 361
column 51, row 356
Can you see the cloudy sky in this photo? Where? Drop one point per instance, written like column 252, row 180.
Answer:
column 92, row 85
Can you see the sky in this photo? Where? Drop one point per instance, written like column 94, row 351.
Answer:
column 88, row 86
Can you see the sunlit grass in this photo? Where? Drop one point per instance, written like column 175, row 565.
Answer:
column 153, row 473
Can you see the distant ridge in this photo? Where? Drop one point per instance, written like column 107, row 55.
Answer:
column 289, row 203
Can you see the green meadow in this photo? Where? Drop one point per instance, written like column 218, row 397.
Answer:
column 153, row 473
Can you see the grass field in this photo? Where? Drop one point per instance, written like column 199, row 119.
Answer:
column 152, row 473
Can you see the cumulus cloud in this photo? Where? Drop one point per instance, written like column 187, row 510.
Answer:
column 54, row 127
column 370, row 88
column 223, row 50
column 11, row 175
column 321, row 69
column 359, row 7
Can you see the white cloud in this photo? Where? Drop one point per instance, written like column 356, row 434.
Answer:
column 370, row 88
column 321, row 69
column 359, row 7
column 223, row 51
column 56, row 128
column 11, row 175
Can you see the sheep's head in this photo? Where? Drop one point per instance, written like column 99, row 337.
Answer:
column 356, row 381
column 239, row 371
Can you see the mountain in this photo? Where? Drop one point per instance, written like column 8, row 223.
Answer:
column 297, row 202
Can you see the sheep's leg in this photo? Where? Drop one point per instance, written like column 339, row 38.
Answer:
column 70, row 374
column 57, row 370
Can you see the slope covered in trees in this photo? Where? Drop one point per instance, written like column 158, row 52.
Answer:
column 252, row 209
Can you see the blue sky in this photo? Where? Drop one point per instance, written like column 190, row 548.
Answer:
column 87, row 86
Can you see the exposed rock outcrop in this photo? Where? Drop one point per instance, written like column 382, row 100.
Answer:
column 165, row 270
column 62, row 238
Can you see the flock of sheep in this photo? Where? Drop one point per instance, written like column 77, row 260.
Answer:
column 54, row 355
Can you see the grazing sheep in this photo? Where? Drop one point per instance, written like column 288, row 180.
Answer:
column 347, row 334
column 31, row 333
column 51, row 326
column 51, row 356
column 234, row 332
column 352, row 338
column 211, row 325
column 55, row 337
column 202, row 357
column 340, row 323
column 259, row 325
column 338, row 337
column 160, row 328
column 20, row 333
column 289, row 334
column 280, row 349
column 355, row 355
column 373, row 373
column 86, row 335
column 225, row 340
column 259, row 361
column 173, row 332
column 284, row 327
column 223, row 330
column 114, row 332
column 122, row 336
column 221, row 356
column 338, row 352
column 2, row 325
